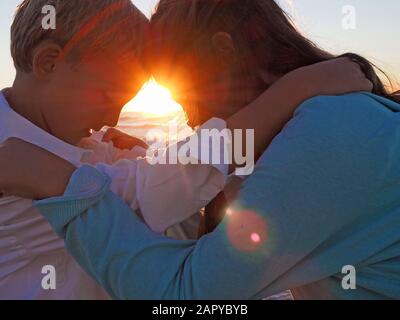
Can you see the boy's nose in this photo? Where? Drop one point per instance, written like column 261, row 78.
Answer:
column 112, row 119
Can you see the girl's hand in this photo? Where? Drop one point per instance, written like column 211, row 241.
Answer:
column 31, row 172
column 333, row 77
column 122, row 140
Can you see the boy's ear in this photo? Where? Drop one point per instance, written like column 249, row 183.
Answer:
column 224, row 46
column 45, row 60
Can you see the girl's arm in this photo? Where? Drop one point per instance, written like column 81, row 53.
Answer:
column 272, row 110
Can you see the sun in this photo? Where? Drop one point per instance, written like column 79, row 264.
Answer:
column 153, row 100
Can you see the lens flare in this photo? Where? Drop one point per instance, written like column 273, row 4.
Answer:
column 255, row 237
column 246, row 230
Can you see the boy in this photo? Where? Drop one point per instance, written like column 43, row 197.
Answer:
column 69, row 81
column 65, row 86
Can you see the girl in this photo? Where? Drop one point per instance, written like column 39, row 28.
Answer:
column 219, row 55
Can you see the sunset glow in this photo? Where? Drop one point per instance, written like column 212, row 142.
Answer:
column 155, row 100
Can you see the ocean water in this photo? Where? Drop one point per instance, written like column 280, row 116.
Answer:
column 170, row 127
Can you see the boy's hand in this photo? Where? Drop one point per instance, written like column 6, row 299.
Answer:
column 31, row 172
column 333, row 77
column 122, row 140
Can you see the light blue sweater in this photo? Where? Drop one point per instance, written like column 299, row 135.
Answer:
column 326, row 194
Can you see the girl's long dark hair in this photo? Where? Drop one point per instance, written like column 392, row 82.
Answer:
column 266, row 36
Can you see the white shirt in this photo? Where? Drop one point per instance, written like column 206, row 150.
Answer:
column 27, row 242
column 167, row 194
column 164, row 194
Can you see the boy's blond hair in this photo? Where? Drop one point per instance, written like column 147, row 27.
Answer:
column 83, row 28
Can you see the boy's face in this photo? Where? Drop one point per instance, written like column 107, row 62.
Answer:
column 87, row 96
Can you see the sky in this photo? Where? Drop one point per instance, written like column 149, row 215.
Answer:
column 367, row 27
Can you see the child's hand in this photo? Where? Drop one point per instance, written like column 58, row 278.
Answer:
column 333, row 77
column 122, row 140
